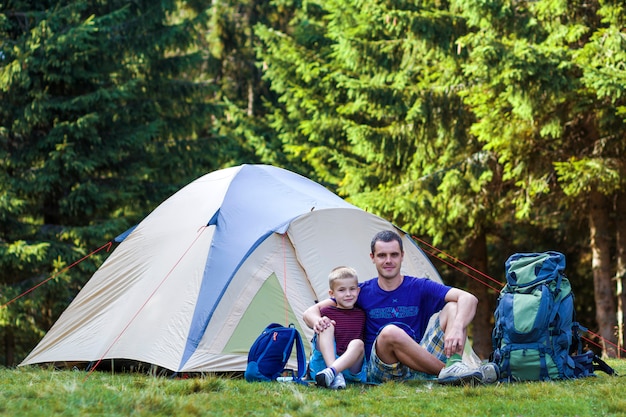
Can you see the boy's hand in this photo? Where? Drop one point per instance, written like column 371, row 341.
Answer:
column 322, row 324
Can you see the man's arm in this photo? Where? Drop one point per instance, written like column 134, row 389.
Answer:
column 456, row 327
column 313, row 318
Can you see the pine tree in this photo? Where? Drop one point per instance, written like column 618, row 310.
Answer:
column 369, row 94
column 549, row 100
column 101, row 120
column 231, row 42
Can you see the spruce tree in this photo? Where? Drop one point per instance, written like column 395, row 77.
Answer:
column 369, row 101
column 545, row 86
column 101, row 120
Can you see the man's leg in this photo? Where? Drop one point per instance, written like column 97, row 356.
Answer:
column 394, row 345
column 456, row 371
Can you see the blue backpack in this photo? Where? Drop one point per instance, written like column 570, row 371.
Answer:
column 534, row 320
column 270, row 352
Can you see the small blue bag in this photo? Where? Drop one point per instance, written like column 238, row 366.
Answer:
column 270, row 352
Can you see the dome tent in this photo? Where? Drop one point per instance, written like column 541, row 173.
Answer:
column 192, row 285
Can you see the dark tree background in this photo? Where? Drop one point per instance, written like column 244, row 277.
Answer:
column 483, row 128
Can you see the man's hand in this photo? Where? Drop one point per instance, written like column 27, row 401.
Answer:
column 313, row 318
column 454, row 342
column 458, row 320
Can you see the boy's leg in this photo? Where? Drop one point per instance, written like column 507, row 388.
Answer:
column 327, row 377
column 326, row 345
column 352, row 358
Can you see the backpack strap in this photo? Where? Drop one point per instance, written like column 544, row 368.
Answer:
column 543, row 369
column 301, row 358
column 600, row 365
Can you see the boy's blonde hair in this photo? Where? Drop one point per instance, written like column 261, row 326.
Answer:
column 341, row 272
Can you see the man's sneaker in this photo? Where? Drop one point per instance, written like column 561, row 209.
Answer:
column 325, row 377
column 490, row 372
column 459, row 373
column 339, row 382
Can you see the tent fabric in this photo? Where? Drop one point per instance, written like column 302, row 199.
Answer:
column 192, row 285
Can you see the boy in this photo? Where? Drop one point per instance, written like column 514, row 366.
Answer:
column 339, row 351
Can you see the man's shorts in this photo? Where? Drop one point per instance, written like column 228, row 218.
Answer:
column 433, row 342
column 316, row 364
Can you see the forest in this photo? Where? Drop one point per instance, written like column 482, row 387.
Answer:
column 482, row 127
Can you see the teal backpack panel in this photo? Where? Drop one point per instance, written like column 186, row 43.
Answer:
column 534, row 319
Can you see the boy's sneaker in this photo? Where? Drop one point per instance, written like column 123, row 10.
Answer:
column 325, row 377
column 490, row 372
column 339, row 382
column 459, row 373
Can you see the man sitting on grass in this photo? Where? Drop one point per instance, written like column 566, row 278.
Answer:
column 399, row 345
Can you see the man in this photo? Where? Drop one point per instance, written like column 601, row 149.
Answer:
column 399, row 345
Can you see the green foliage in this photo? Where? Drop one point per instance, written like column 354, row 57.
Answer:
column 457, row 119
column 368, row 96
column 109, row 108
column 540, row 89
column 453, row 120
column 582, row 176
column 100, row 114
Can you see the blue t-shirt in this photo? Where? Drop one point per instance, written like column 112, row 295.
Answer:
column 412, row 304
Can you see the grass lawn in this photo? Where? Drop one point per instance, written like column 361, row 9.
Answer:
column 46, row 392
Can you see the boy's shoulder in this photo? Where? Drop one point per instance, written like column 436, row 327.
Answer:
column 334, row 309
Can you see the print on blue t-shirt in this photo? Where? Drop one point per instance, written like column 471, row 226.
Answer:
column 410, row 305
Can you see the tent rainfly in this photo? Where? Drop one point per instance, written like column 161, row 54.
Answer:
column 192, row 285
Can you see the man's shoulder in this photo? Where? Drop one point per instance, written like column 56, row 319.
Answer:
column 409, row 280
column 368, row 283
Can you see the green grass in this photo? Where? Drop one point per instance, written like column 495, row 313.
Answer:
column 46, row 392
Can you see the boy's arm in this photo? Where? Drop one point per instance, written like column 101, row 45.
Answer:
column 313, row 318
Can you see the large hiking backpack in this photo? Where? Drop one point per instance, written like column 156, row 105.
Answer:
column 270, row 353
column 534, row 320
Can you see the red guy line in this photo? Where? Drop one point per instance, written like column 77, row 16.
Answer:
column 107, row 246
column 146, row 302
column 458, row 261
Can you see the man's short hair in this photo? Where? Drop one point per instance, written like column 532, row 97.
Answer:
column 386, row 236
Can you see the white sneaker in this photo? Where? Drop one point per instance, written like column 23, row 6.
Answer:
column 325, row 377
column 459, row 373
column 490, row 372
column 339, row 382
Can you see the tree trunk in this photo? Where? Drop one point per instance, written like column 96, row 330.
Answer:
column 600, row 232
column 9, row 346
column 620, row 276
column 483, row 321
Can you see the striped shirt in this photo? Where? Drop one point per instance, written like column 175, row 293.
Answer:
column 349, row 325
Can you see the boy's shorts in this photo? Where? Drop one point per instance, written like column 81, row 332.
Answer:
column 317, row 364
column 433, row 342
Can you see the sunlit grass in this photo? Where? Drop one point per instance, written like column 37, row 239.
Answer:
column 46, row 392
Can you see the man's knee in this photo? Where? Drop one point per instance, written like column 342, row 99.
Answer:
column 390, row 335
